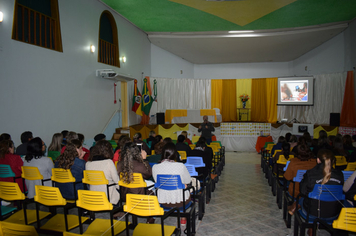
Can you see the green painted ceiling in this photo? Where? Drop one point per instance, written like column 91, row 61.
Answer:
column 202, row 15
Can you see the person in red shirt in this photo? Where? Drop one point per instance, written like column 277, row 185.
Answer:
column 7, row 157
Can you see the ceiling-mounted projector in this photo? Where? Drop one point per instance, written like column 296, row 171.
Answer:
column 106, row 73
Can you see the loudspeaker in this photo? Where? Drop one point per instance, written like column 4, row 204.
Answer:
column 334, row 119
column 160, row 118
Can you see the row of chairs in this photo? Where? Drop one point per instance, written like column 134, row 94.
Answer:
column 323, row 193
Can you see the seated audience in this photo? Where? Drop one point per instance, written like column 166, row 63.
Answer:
column 287, row 137
column 133, row 160
column 156, row 158
column 302, row 161
column 169, row 166
column 199, row 152
column 99, row 137
column 70, row 136
column 308, row 138
column 151, row 138
column 287, row 155
column 301, row 141
column 121, row 143
column 181, row 146
column 354, row 140
column 278, row 145
column 7, row 157
column 35, row 158
column 137, row 138
column 22, row 148
column 64, row 134
column 158, row 139
column 81, row 138
column 338, row 150
column 293, row 141
column 54, row 149
column 101, row 159
column 5, row 136
column 347, row 140
column 322, row 142
column 71, row 159
column 185, row 133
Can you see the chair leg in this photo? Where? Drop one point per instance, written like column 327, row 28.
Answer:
column 296, row 226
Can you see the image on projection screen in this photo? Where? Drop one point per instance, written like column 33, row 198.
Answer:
column 294, row 91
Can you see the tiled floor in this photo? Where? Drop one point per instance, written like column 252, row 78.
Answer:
column 242, row 203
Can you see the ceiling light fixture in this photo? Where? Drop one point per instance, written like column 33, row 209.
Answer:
column 92, row 48
column 240, row 31
column 1, row 16
column 123, row 59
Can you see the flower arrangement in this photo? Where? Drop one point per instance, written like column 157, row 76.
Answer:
column 244, row 97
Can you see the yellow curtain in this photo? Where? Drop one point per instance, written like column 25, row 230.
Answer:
column 319, row 128
column 243, row 86
column 271, row 92
column 216, row 93
column 258, row 103
column 228, row 109
column 171, row 132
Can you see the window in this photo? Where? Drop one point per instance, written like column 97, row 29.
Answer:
column 108, row 52
column 37, row 22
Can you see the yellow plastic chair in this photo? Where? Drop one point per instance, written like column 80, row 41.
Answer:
column 153, row 152
column 96, row 177
column 11, row 229
column 116, row 164
column 341, row 161
column 351, row 166
column 32, row 173
column 145, row 206
column 11, row 192
column 52, row 197
column 192, row 146
column 138, row 181
column 195, row 139
column 346, row 221
column 183, row 155
column 61, row 175
column 96, row 201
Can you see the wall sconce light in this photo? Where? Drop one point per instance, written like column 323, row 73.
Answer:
column 123, row 59
column 1, row 16
column 92, row 48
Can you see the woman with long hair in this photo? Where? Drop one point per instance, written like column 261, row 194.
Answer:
column 54, row 149
column 168, row 166
column 101, row 159
column 133, row 160
column 71, row 159
column 7, row 157
column 35, row 158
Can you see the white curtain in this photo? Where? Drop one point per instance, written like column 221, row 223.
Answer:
column 183, row 93
column 328, row 96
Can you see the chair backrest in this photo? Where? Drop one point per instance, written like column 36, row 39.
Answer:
column 191, row 169
column 116, row 164
column 287, row 164
column 138, row 181
column 347, row 174
column 142, row 205
column 196, row 161
column 340, row 161
column 6, row 171
column 31, row 173
column 153, row 152
column 270, row 146
column 49, row 196
column 299, row 176
column 94, row 177
column 113, row 143
column 351, row 166
column 195, row 139
column 10, row 191
column 283, row 161
column 216, row 142
column 266, row 143
column 214, row 147
column 93, row 201
column 169, row 182
column 183, row 155
column 327, row 193
column 346, row 220
column 192, row 146
column 276, row 151
column 11, row 229
column 62, row 175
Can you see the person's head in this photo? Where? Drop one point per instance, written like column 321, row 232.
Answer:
column 331, row 139
column 55, row 145
column 185, row 133
column 307, row 136
column 6, row 147
column 202, row 139
column 130, row 153
column 167, row 140
column 152, row 133
column 158, row 138
column 327, row 159
column 158, row 148
column 287, row 137
column 304, row 152
column 169, row 152
column 102, row 148
column 66, row 159
column 354, row 138
column 285, row 148
column 281, row 139
column 123, row 140
column 64, row 133
column 302, row 140
column 5, row 136
column 35, row 149
column 81, row 137
column 338, row 144
column 181, row 139
column 347, row 140
column 323, row 137
column 205, row 119
column 99, row 137
column 293, row 139
column 71, row 135
column 137, row 136
column 200, row 144
column 26, row 136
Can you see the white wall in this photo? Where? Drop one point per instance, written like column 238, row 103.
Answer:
column 242, row 70
column 167, row 65
column 47, row 91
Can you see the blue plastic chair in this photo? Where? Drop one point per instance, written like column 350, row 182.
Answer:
column 191, row 169
column 347, row 174
column 174, row 182
column 196, row 161
column 323, row 193
column 6, row 171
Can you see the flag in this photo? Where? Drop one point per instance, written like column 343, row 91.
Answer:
column 136, row 100
column 147, row 99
